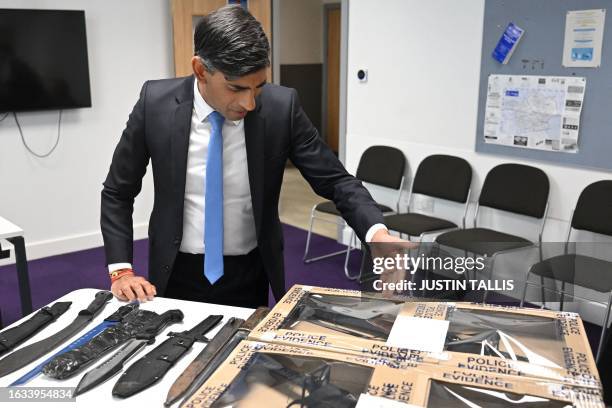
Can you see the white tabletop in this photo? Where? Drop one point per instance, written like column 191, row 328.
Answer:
column 8, row 229
column 101, row 395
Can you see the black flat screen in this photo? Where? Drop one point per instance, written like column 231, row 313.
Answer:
column 43, row 60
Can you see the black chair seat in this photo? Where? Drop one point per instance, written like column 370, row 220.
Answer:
column 328, row 207
column 581, row 270
column 415, row 224
column 482, row 240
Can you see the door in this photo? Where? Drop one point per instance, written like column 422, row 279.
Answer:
column 187, row 13
column 332, row 69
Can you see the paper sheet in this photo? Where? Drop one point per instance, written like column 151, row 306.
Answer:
column 583, row 38
column 417, row 333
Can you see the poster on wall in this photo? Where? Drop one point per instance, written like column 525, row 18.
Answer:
column 583, row 38
column 534, row 112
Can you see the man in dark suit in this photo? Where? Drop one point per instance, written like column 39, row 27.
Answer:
column 218, row 142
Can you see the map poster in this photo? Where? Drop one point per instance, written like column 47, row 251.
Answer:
column 534, row 112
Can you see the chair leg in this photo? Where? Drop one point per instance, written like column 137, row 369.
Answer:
column 349, row 248
column 543, row 291
column 486, row 293
column 309, row 233
column 525, row 289
column 604, row 330
column 307, row 260
column 562, row 297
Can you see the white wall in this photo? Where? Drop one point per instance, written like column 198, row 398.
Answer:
column 56, row 200
column 423, row 60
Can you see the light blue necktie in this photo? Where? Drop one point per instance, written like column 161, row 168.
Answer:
column 213, row 213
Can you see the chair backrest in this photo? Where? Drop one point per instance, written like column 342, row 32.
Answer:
column 383, row 166
column 516, row 188
column 442, row 176
column 594, row 208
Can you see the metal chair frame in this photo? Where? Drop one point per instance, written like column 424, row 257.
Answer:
column 341, row 223
column 562, row 292
column 504, row 252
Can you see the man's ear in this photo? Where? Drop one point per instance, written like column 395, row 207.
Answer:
column 199, row 70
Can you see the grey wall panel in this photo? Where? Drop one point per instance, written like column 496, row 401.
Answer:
column 544, row 25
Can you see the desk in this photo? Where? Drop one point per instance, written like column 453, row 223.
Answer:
column 101, row 395
column 13, row 234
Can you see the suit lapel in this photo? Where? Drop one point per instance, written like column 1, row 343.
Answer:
column 254, row 129
column 179, row 142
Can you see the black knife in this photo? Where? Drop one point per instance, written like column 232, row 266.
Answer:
column 152, row 367
column 114, row 364
column 26, row 355
column 10, row 338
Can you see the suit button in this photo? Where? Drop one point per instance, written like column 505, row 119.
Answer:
column 166, row 268
column 177, row 241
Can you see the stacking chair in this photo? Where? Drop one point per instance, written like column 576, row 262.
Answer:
column 438, row 176
column 379, row 165
column 593, row 213
column 508, row 187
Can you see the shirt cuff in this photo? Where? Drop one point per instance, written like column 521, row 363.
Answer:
column 117, row 266
column 373, row 230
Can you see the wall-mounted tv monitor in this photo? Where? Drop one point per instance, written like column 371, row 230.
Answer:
column 43, row 60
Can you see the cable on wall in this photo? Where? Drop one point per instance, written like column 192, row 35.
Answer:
column 4, row 117
column 42, row 156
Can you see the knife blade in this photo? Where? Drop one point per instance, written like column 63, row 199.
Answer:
column 110, row 321
column 115, row 364
column 206, row 362
column 152, row 367
column 25, row 355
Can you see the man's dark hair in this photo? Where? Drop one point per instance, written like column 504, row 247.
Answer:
column 232, row 41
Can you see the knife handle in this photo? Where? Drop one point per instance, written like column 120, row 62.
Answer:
column 198, row 333
column 96, row 306
column 157, row 324
column 122, row 312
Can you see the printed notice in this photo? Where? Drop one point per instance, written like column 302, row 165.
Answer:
column 583, row 38
column 534, row 112
column 418, row 333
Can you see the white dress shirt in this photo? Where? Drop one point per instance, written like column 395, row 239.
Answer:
column 239, row 236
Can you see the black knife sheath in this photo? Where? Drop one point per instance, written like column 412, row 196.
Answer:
column 153, row 366
column 74, row 361
column 16, row 335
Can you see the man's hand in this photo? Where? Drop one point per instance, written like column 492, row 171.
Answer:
column 385, row 245
column 131, row 287
column 383, row 236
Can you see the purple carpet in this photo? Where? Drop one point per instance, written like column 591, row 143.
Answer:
column 53, row 277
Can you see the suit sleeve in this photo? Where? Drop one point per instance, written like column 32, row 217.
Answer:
column 122, row 185
column 327, row 176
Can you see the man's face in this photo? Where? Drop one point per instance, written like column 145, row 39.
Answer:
column 231, row 97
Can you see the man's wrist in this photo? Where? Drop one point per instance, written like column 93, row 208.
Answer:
column 373, row 230
column 120, row 273
column 120, row 265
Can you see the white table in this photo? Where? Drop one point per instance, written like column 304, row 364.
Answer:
column 101, row 395
column 14, row 235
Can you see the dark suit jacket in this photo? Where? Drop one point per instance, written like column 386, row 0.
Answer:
column 158, row 130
